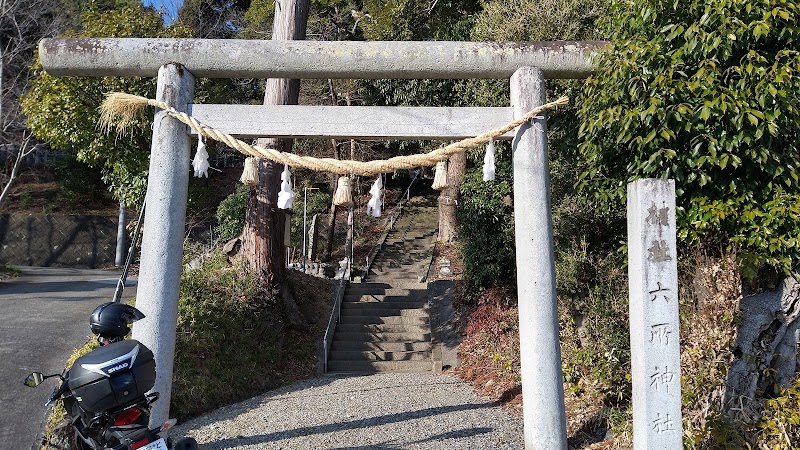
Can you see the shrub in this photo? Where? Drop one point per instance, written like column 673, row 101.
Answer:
column 78, row 181
column 706, row 93
column 228, row 336
column 231, row 213
column 486, row 226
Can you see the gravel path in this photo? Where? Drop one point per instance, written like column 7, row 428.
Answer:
column 378, row 412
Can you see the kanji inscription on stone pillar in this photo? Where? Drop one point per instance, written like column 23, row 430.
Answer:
column 655, row 352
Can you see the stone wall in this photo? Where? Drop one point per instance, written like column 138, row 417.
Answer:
column 59, row 241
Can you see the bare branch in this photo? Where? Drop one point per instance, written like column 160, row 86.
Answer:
column 26, row 148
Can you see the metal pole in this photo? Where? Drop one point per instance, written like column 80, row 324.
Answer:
column 305, row 204
column 542, row 385
column 305, row 232
column 162, row 242
column 350, row 236
column 131, row 254
column 122, row 236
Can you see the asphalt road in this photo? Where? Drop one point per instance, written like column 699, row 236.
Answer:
column 44, row 316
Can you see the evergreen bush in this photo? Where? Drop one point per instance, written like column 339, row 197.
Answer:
column 706, row 93
column 230, row 213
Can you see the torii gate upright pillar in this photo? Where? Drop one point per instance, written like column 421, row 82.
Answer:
column 540, row 351
column 158, row 289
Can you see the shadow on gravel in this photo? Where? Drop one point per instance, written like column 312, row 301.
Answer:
column 279, row 395
column 459, row 434
column 363, row 423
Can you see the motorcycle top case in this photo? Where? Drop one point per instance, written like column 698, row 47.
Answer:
column 112, row 376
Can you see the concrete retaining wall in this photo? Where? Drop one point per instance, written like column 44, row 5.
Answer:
column 58, row 241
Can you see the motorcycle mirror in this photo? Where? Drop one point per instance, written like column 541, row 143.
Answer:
column 34, row 379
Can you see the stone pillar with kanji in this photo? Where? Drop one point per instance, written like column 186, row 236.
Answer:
column 654, row 323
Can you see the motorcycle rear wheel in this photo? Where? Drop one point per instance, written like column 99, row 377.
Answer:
column 186, row 444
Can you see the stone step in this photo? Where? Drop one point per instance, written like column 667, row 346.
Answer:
column 381, row 336
column 396, row 251
column 384, row 323
column 407, row 270
column 382, row 328
column 378, row 308
column 402, row 262
column 379, row 366
column 409, row 234
column 407, row 243
column 383, row 311
column 403, row 259
column 409, row 285
column 394, row 276
column 357, row 298
column 381, row 346
column 379, row 289
column 389, row 320
column 377, row 355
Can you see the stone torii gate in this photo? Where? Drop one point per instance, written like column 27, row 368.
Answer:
column 176, row 63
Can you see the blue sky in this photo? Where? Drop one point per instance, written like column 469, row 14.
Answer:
column 169, row 8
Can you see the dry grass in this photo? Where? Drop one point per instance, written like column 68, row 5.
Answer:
column 708, row 332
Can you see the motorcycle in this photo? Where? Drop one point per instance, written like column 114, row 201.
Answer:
column 105, row 392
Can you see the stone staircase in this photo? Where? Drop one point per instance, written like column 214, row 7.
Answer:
column 384, row 324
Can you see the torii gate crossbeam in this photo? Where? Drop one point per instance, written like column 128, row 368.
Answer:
column 234, row 58
column 178, row 61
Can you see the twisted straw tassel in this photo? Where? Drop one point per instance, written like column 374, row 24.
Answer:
column 343, row 196
column 119, row 110
column 440, row 178
column 250, row 172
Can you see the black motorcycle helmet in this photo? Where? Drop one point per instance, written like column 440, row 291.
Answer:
column 110, row 320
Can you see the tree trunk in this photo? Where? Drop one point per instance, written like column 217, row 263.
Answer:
column 448, row 199
column 262, row 238
column 766, row 348
column 331, row 231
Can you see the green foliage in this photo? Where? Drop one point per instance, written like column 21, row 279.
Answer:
column 776, row 426
column 231, row 213
column 407, row 20
column 593, row 300
column 225, row 321
column 328, row 20
column 258, row 18
column 779, row 427
column 73, row 10
column 486, row 225
column 706, row 93
column 198, row 200
column 400, row 20
column 63, row 110
column 213, row 19
column 77, row 181
column 319, row 202
column 503, row 20
column 57, row 432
